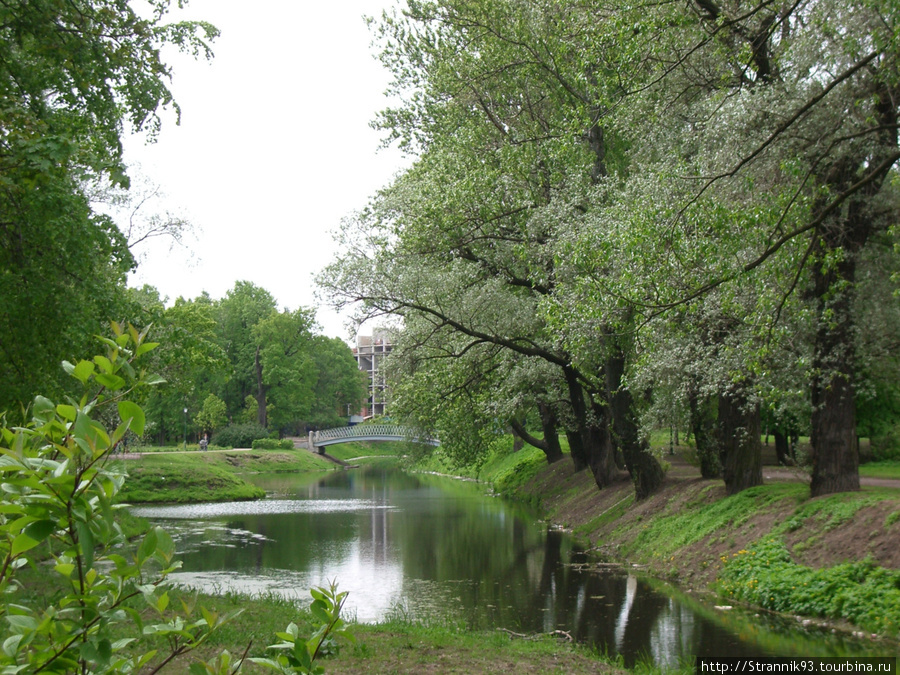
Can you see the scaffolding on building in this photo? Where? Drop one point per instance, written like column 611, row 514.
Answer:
column 370, row 352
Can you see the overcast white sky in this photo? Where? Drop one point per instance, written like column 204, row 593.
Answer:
column 274, row 148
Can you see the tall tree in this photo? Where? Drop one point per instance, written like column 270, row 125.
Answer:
column 504, row 119
column 72, row 76
column 242, row 308
column 284, row 368
column 340, row 386
column 786, row 117
column 190, row 359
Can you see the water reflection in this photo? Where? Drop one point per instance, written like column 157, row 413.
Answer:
column 426, row 547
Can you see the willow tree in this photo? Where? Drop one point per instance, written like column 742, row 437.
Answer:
column 470, row 393
column 783, row 118
column 503, row 114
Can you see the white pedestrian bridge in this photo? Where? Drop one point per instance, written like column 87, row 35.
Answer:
column 367, row 432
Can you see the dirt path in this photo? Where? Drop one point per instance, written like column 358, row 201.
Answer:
column 681, row 468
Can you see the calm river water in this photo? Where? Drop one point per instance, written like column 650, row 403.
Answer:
column 426, row 547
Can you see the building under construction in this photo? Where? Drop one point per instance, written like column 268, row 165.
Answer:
column 370, row 351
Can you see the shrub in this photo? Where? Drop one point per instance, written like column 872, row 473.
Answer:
column 58, row 505
column 273, row 444
column 239, row 435
column 860, row 592
column 886, row 447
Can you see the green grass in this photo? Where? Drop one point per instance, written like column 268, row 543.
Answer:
column 209, row 476
column 398, row 645
column 831, row 511
column 611, row 514
column 885, row 469
column 367, row 449
column 508, row 471
column 393, row 646
column 190, row 447
column 665, row 535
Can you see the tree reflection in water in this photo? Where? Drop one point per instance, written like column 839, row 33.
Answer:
column 427, row 547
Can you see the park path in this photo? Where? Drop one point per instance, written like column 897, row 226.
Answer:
column 772, row 473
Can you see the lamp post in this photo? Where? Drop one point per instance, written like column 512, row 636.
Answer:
column 185, row 428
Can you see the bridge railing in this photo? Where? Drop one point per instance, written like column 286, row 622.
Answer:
column 385, row 432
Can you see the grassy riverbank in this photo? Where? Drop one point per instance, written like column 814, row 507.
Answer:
column 188, row 477
column 834, row 558
column 395, row 646
column 398, row 646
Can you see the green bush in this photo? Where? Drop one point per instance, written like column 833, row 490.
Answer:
column 887, row 446
column 57, row 506
column 273, row 444
column 860, row 592
column 239, row 435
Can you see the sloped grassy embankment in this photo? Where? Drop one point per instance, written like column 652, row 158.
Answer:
column 835, row 557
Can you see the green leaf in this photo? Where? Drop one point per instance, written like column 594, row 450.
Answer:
column 104, row 647
column 22, row 622
column 83, row 371
column 146, row 347
column 164, row 543
column 65, row 569
column 67, row 412
column 82, row 427
column 320, row 611
column 85, row 543
column 148, row 545
column 111, row 382
column 210, row 617
column 44, row 410
column 129, row 410
column 40, row 529
column 11, row 644
column 21, row 544
column 104, row 363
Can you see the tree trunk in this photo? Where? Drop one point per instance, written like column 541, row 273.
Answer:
column 835, row 460
column 845, row 231
column 550, row 426
column 550, row 443
column 740, row 450
column 590, row 442
column 601, row 449
column 782, row 447
column 576, row 437
column 646, row 473
column 703, row 426
column 260, row 392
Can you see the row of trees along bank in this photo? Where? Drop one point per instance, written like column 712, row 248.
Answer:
column 623, row 215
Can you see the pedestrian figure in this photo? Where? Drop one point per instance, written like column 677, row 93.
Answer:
column 203, row 443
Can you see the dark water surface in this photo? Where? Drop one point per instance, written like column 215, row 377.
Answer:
column 425, row 547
